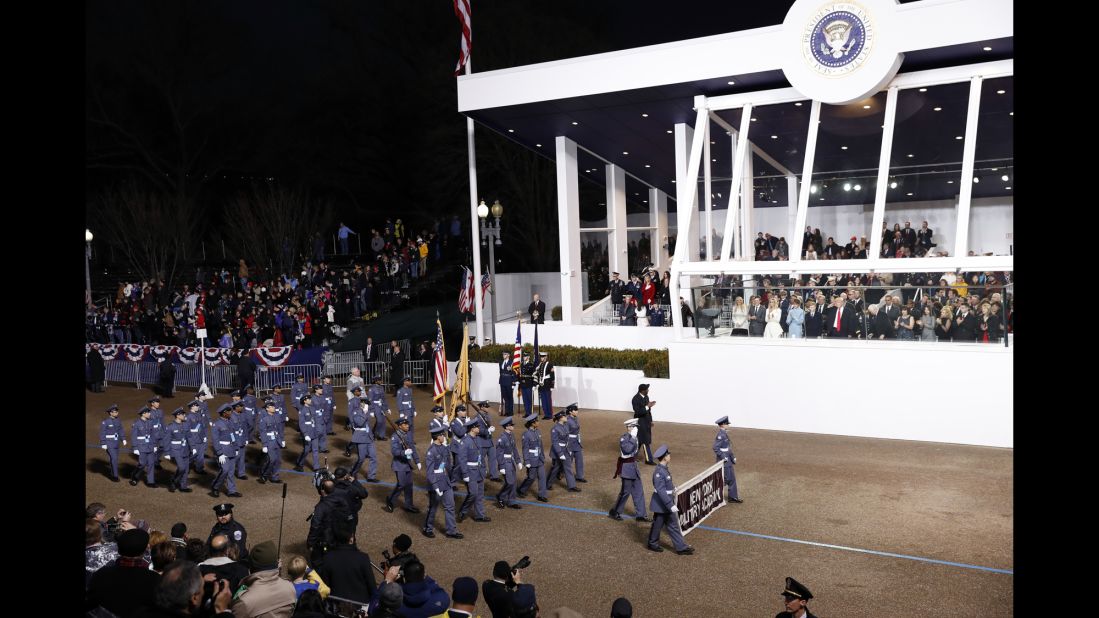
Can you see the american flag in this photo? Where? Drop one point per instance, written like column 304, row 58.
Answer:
column 461, row 9
column 484, row 288
column 465, row 296
column 517, row 354
column 440, row 362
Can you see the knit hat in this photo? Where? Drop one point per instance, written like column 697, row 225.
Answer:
column 132, row 543
column 465, row 591
column 621, row 608
column 264, row 556
column 391, row 596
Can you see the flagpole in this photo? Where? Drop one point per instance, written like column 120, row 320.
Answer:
column 474, row 223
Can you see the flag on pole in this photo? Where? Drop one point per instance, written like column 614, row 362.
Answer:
column 484, row 288
column 461, row 9
column 461, row 374
column 517, row 353
column 440, row 361
column 536, row 356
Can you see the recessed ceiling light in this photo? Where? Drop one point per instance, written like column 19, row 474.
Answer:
column 1011, row 113
column 923, row 89
column 909, row 194
column 774, row 201
column 893, row 185
column 511, row 130
column 669, row 130
column 647, row 165
column 645, row 201
column 625, row 153
column 843, row 147
column 950, row 182
column 846, row 186
column 673, row 182
column 995, row 169
column 975, row 179
column 753, row 119
column 987, row 48
column 644, row 115
column 715, row 160
column 822, row 199
column 774, row 137
column 732, row 83
column 575, row 123
column 538, row 145
column 712, row 142
column 866, row 107
column 1007, row 187
column 858, row 187
column 958, row 137
column 911, row 155
column 798, row 104
column 636, row 193
column 812, row 188
column 1004, row 178
column 1000, row 91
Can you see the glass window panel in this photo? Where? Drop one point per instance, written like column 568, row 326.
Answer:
column 991, row 214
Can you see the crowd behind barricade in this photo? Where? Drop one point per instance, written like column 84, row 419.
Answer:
column 249, row 307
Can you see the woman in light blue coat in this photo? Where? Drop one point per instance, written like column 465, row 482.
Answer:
column 795, row 320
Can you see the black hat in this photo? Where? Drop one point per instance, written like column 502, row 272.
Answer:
column 112, row 407
column 621, row 608
column 237, row 404
column 225, row 408
column 572, row 406
column 223, row 509
column 268, row 402
column 304, row 397
column 357, row 388
column 558, row 414
column 318, row 387
column 155, row 398
column 143, row 410
column 460, row 408
column 642, row 387
column 402, row 542
column 407, row 379
column 722, row 421
column 438, row 429
column 796, row 590
column 195, row 404
column 378, row 378
column 235, row 393
column 179, row 411
column 530, row 418
column 403, row 420
column 464, row 591
column 484, row 404
column 132, row 543
column 438, row 409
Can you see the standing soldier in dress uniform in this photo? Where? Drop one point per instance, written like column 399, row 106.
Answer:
column 379, row 407
column 795, row 597
column 576, row 448
column 631, row 479
column 156, row 416
column 144, row 436
column 177, row 437
column 329, row 393
column 111, row 435
column 297, row 391
column 404, row 454
column 507, row 457
column 405, row 406
column 251, row 411
column 440, row 487
column 231, row 528
column 544, row 375
column 507, row 384
column 240, row 426
column 532, row 458
column 559, row 452
column 484, row 439
column 472, row 468
column 458, row 431
column 642, row 412
column 665, row 511
column 198, row 419
column 526, row 384
column 723, row 450
column 225, row 446
column 271, row 436
column 617, row 288
column 320, row 410
column 307, row 425
column 362, row 438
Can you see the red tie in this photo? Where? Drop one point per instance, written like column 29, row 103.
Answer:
column 839, row 312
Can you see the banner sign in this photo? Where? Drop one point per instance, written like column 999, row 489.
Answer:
column 699, row 497
column 266, row 357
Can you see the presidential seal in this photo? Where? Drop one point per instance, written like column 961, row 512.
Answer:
column 838, row 39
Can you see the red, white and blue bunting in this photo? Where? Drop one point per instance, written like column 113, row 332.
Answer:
column 273, row 357
column 188, row 356
column 217, row 356
column 134, row 352
column 109, row 351
column 161, row 352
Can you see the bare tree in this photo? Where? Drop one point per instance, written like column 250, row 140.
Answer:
column 272, row 226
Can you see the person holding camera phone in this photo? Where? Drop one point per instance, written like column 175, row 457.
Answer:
column 441, row 488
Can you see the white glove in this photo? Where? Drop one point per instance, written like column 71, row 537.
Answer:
column 408, row 452
column 418, row 466
column 528, row 466
column 465, row 479
column 137, row 452
column 502, row 473
column 221, row 459
column 194, row 451
column 167, row 457
column 103, row 446
column 734, row 459
column 438, row 491
column 156, row 448
column 282, row 444
column 265, row 449
column 123, row 443
column 307, row 438
column 492, row 429
column 561, row 457
column 675, row 509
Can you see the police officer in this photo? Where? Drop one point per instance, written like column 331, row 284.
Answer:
column 458, row 433
column 795, row 597
column 472, row 468
column 507, row 457
column 111, row 435
column 251, row 412
column 179, row 448
column 198, row 419
column 575, row 448
column 225, row 447
column 559, row 452
column 631, row 479
column 320, row 410
column 723, row 450
column 404, row 455
column 307, row 425
column 642, row 412
column 297, row 391
column 231, row 528
column 507, row 384
column 405, row 406
column 329, row 393
column 533, row 459
column 526, row 384
column 378, row 406
column 240, row 426
column 144, row 435
column 362, row 438
column 272, row 438
column 665, row 511
column 544, row 375
column 484, row 439
column 440, row 487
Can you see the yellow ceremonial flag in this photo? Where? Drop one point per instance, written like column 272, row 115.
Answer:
column 461, row 375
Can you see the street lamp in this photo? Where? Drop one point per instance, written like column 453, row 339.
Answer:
column 87, row 267
column 490, row 235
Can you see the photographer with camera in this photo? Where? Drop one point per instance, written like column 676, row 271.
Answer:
column 182, row 591
column 330, row 510
column 352, row 492
column 421, row 596
column 505, row 594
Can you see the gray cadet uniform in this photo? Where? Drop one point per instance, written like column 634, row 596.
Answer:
column 484, row 440
column 272, row 438
column 631, row 479
column 280, row 408
column 441, row 489
column 251, row 414
column 239, row 421
column 662, row 503
column 407, row 409
column 307, row 425
column 329, row 405
column 507, row 458
column 297, row 391
column 362, row 438
column 322, row 417
column 197, row 422
column 404, row 454
column 111, row 436
column 178, row 439
column 378, row 406
column 225, row 447
column 143, row 433
column 723, row 451
column 576, row 448
column 472, row 468
column 559, row 453
column 458, row 434
column 533, row 459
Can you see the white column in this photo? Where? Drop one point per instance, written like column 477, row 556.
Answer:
column 475, row 230
column 961, row 242
column 568, row 229
column 742, row 152
column 617, row 239
column 806, row 181
column 658, row 220
column 748, row 203
column 882, row 188
column 708, row 189
column 688, row 155
column 733, row 209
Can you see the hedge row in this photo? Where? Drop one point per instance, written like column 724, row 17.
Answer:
column 653, row 362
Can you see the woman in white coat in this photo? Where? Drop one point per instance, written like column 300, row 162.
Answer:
column 740, row 317
column 773, row 319
column 642, row 315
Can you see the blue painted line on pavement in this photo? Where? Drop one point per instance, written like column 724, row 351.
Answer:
column 491, row 498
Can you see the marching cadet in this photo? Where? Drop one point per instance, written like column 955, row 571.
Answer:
column 329, row 393
column 156, row 416
column 198, row 419
column 225, row 446
column 271, row 436
column 507, row 457
column 144, row 436
column 307, row 425
column 240, row 438
column 631, row 479
column 544, row 374
column 231, row 528
column 438, row 419
column 576, row 448
column 484, row 439
column 665, row 511
column 723, row 450
column 458, row 431
column 251, row 411
column 526, row 384
column 280, row 406
column 533, row 459
column 111, row 434
column 507, row 384
column 362, row 438
column 379, row 407
column 795, row 598
column 404, row 453
column 178, row 437
column 238, row 413
column 297, row 391
column 559, row 452
column 441, row 489
column 473, row 474
column 405, row 406
column 320, row 409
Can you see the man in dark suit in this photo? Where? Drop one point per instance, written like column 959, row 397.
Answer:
column 923, row 237
column 369, row 355
column 965, row 324
column 814, row 319
column 641, row 411
column 839, row 321
column 537, row 310
column 396, row 367
column 909, row 235
column 881, row 327
column 757, row 318
column 617, row 287
column 497, row 591
column 345, row 569
column 892, row 311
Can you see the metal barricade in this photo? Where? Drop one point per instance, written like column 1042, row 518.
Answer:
column 419, row 371
column 222, row 377
column 369, row 370
column 187, row 376
column 339, row 365
column 268, row 377
column 120, row 371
